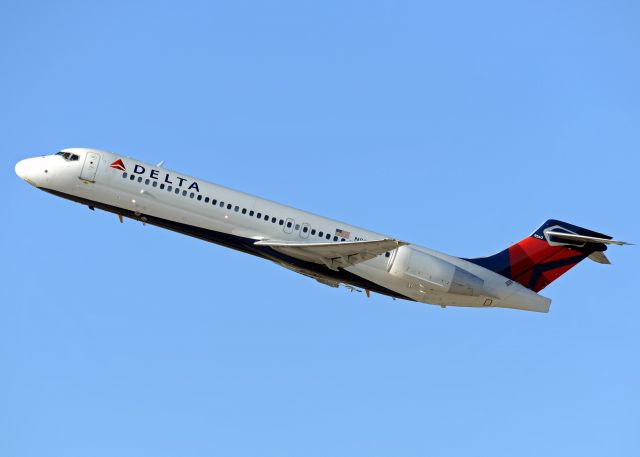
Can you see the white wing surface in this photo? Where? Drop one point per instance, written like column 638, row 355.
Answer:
column 334, row 255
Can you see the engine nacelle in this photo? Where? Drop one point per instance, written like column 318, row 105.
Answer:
column 432, row 273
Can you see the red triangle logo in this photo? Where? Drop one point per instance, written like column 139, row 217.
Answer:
column 118, row 165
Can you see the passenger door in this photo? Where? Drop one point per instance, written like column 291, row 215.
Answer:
column 90, row 166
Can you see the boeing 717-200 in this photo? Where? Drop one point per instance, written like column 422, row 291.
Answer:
column 329, row 251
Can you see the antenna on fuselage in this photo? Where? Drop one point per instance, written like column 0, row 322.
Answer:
column 160, row 164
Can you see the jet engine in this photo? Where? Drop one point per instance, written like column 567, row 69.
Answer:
column 432, row 273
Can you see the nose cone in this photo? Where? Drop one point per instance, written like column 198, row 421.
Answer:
column 31, row 170
column 22, row 169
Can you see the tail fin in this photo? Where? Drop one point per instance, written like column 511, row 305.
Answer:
column 547, row 254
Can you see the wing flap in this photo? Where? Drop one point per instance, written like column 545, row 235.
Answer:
column 334, row 255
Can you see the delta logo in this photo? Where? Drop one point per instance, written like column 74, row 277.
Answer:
column 118, row 165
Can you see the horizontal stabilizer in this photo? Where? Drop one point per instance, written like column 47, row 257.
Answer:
column 334, row 255
column 583, row 238
column 598, row 256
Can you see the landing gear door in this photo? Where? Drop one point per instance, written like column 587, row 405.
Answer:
column 90, row 166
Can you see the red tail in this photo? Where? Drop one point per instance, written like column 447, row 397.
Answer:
column 538, row 260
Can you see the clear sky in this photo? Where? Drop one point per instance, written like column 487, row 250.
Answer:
column 461, row 126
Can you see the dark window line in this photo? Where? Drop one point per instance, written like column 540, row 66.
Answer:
column 236, row 208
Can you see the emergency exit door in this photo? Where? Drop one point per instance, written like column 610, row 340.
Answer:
column 90, row 166
column 288, row 225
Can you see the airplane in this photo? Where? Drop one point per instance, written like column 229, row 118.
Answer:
column 331, row 252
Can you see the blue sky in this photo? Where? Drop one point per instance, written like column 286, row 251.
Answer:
column 461, row 126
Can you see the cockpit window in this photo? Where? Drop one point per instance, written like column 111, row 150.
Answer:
column 69, row 157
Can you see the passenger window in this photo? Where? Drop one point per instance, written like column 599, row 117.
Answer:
column 199, row 197
column 236, row 209
column 155, row 184
column 132, row 177
column 266, row 218
column 169, row 188
column 289, row 224
column 206, row 199
column 244, row 210
column 161, row 186
column 184, row 193
column 342, row 239
column 387, row 254
column 229, row 205
column 313, row 231
column 335, row 238
column 146, row 182
column 251, row 213
column 139, row 178
column 305, row 229
column 124, row 175
column 281, row 222
column 221, row 204
column 297, row 226
column 259, row 215
column 328, row 236
column 320, row 234
column 191, row 195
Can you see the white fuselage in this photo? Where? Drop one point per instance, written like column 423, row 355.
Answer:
column 235, row 219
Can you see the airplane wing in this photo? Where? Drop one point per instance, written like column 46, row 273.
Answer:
column 334, row 255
